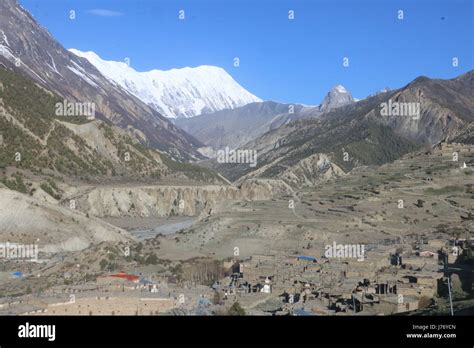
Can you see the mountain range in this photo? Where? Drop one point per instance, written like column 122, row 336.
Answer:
column 30, row 50
column 235, row 127
column 209, row 111
column 358, row 133
column 176, row 93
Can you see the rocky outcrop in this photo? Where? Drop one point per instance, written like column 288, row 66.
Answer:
column 434, row 123
column 312, row 170
column 264, row 189
column 338, row 96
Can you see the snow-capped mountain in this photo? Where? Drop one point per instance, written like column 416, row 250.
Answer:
column 336, row 97
column 174, row 93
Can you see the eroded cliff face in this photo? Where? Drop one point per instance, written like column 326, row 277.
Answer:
column 312, row 170
column 161, row 201
column 26, row 219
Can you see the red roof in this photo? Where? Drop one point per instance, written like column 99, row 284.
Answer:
column 124, row 275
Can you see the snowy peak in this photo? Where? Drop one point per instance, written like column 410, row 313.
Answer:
column 185, row 92
column 336, row 97
column 339, row 89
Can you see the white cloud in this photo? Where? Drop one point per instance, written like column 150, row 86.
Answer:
column 105, row 13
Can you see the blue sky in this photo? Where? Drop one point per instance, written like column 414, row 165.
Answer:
column 280, row 59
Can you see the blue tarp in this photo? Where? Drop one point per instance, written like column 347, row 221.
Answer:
column 307, row 258
column 17, row 274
